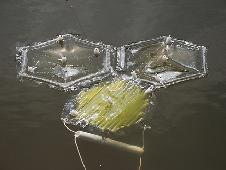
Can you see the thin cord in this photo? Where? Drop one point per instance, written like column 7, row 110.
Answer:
column 76, row 18
column 140, row 164
column 76, row 144
column 143, row 142
column 69, row 128
column 79, row 152
column 143, row 136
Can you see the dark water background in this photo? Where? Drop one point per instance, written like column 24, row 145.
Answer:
column 189, row 120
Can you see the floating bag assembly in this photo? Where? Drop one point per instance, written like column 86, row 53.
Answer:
column 113, row 87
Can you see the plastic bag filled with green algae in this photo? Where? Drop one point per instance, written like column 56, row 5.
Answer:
column 109, row 106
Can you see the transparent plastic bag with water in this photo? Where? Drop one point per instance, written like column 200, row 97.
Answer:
column 64, row 62
column 164, row 61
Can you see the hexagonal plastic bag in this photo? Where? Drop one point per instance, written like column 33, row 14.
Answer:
column 163, row 61
column 65, row 61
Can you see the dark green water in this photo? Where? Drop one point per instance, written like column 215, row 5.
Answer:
column 189, row 120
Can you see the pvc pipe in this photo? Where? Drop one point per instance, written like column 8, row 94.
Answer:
column 109, row 142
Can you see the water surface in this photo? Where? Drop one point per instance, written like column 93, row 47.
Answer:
column 189, row 120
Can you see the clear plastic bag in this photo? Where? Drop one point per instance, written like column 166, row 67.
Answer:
column 164, row 61
column 65, row 62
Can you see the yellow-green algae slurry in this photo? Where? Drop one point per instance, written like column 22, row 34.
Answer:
column 112, row 106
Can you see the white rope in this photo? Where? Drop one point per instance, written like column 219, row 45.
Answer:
column 140, row 164
column 76, row 144
column 79, row 152
column 69, row 128
column 143, row 140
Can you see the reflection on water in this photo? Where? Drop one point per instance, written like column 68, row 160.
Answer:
column 188, row 121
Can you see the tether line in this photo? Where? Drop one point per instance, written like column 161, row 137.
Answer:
column 75, row 17
column 76, row 144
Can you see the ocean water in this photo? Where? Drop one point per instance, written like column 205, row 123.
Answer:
column 188, row 120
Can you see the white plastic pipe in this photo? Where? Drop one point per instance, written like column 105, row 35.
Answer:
column 109, row 142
